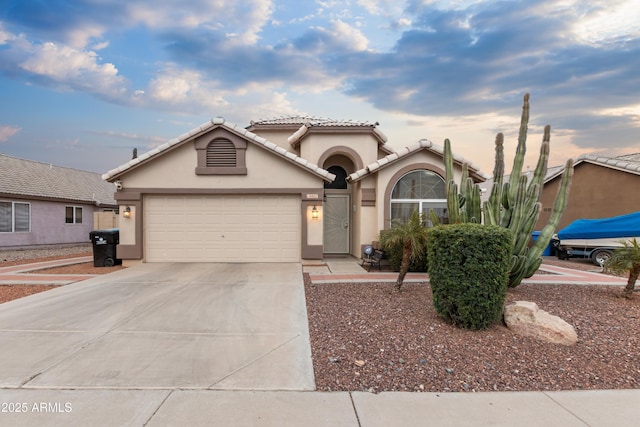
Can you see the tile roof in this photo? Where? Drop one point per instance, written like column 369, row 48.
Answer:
column 306, row 126
column 626, row 163
column 312, row 121
column 43, row 180
column 423, row 144
column 221, row 122
column 635, row 157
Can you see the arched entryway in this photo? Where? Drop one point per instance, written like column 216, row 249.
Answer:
column 337, row 212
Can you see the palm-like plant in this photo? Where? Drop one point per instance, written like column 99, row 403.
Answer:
column 411, row 236
column 623, row 260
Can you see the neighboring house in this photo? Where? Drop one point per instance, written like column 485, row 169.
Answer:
column 279, row 190
column 601, row 187
column 42, row 204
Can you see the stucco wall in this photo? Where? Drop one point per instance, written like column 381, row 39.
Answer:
column 595, row 192
column 48, row 225
column 176, row 169
column 314, row 146
column 278, row 137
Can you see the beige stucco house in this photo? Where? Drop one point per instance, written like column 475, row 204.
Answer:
column 281, row 190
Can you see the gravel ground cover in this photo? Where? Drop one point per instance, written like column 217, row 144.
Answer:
column 366, row 337
column 20, row 256
column 11, row 292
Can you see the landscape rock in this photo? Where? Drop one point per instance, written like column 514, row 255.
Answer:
column 525, row 318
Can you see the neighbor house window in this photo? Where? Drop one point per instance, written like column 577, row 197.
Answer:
column 15, row 217
column 420, row 190
column 221, row 153
column 73, row 215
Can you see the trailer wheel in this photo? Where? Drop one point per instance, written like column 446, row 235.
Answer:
column 600, row 256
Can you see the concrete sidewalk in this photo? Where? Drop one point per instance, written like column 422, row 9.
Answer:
column 184, row 407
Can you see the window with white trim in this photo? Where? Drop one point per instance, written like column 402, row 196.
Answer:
column 15, row 217
column 73, row 215
column 420, row 190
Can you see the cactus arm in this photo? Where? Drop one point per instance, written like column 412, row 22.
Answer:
column 559, row 206
column 521, row 150
column 463, row 181
column 523, row 234
column 498, row 167
column 543, row 159
column 448, row 161
column 474, row 213
column 452, row 202
column 492, row 206
column 516, row 275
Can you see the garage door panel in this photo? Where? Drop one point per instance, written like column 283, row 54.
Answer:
column 222, row 228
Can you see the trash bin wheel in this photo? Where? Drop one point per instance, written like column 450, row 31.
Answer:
column 109, row 262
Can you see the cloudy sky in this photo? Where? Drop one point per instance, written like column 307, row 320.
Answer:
column 83, row 82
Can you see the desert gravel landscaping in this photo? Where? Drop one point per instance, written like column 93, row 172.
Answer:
column 366, row 337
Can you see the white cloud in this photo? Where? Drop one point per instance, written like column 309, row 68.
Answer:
column 183, row 88
column 188, row 92
column 7, row 132
column 244, row 18
column 100, row 46
column 350, row 36
column 74, row 69
column 609, row 20
column 78, row 37
column 5, row 37
column 370, row 6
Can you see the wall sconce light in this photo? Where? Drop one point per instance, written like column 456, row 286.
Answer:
column 127, row 212
column 314, row 212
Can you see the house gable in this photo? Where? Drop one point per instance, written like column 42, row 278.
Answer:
column 202, row 136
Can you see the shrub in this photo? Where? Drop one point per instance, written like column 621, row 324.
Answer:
column 469, row 272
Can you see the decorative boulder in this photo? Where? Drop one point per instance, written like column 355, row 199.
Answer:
column 525, row 318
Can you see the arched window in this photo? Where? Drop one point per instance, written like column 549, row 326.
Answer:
column 419, row 190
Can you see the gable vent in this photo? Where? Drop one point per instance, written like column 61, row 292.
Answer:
column 221, row 153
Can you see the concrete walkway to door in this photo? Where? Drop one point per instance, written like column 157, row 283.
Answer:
column 200, row 326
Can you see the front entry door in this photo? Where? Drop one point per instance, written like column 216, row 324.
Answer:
column 336, row 224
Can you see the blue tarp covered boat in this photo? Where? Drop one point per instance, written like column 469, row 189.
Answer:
column 604, row 228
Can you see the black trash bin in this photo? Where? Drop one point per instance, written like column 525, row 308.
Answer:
column 104, row 247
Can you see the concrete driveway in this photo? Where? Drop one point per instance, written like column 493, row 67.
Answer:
column 200, row 326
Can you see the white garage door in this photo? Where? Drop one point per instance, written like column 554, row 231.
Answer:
column 222, row 228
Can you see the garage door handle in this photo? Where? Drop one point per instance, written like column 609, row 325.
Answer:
column 345, row 224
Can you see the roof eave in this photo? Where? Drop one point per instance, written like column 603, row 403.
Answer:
column 423, row 144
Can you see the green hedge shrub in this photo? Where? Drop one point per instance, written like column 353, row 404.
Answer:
column 469, row 272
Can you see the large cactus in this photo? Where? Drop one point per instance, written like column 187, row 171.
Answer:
column 514, row 204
